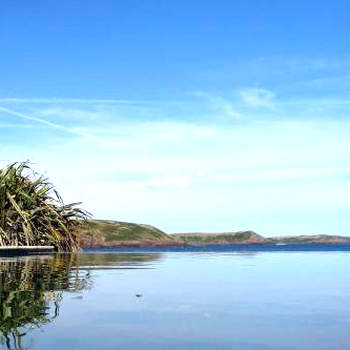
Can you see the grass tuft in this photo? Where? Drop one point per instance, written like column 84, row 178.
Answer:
column 33, row 213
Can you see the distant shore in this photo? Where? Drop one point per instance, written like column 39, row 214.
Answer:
column 109, row 234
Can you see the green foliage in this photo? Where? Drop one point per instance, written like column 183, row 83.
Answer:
column 32, row 213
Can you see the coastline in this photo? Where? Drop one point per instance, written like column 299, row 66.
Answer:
column 117, row 234
column 181, row 244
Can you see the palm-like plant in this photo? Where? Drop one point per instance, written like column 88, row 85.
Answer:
column 32, row 212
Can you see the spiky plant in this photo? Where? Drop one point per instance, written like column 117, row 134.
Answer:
column 32, row 213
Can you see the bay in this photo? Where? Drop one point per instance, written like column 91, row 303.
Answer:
column 199, row 298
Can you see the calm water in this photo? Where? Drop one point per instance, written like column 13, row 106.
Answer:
column 285, row 299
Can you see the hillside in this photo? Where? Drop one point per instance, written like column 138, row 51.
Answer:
column 102, row 233
column 250, row 237
column 220, row 238
column 107, row 233
column 308, row 239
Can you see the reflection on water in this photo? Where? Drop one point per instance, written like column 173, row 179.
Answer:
column 176, row 301
column 31, row 288
column 117, row 261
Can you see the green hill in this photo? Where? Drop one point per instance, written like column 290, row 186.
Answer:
column 220, row 238
column 117, row 233
column 107, row 233
column 308, row 239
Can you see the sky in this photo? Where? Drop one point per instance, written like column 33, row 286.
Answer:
column 186, row 115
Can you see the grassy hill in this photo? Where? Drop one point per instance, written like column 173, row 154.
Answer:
column 117, row 233
column 107, row 233
column 309, row 239
column 220, row 238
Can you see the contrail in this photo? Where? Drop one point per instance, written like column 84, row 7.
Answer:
column 48, row 123
column 35, row 119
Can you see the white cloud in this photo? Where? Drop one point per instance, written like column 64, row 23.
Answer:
column 286, row 174
column 177, row 181
column 258, row 97
column 222, row 107
column 71, row 113
column 192, row 175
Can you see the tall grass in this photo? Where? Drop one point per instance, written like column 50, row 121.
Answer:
column 32, row 213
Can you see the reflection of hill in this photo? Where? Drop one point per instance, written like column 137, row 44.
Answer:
column 117, row 261
column 31, row 288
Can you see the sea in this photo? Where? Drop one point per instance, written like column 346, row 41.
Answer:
column 243, row 297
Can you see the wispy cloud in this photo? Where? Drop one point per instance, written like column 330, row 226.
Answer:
column 287, row 174
column 35, row 119
column 50, row 124
column 257, row 97
column 73, row 113
column 230, row 154
column 222, row 107
column 18, row 126
column 71, row 100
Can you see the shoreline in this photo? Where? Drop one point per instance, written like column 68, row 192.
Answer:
column 117, row 234
column 165, row 245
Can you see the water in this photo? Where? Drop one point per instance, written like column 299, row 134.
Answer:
column 214, row 299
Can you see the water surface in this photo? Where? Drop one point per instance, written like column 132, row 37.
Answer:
column 177, row 300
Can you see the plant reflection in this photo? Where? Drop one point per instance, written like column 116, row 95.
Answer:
column 31, row 292
column 31, row 289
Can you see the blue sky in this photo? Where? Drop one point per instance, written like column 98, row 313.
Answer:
column 188, row 115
